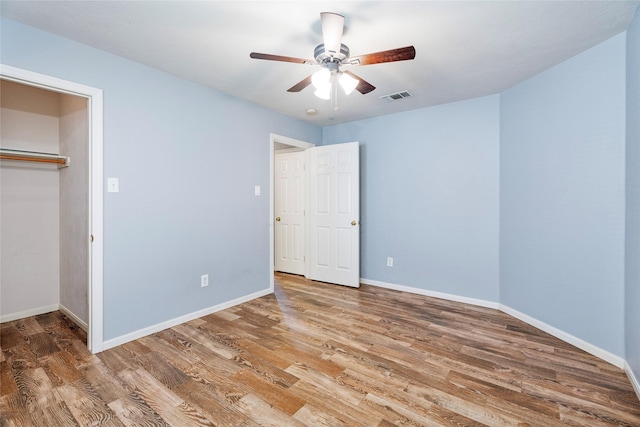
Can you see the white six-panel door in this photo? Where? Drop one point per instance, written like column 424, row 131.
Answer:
column 334, row 205
column 289, row 212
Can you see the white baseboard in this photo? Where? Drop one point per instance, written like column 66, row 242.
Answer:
column 566, row 337
column 581, row 344
column 114, row 342
column 434, row 294
column 75, row 319
column 634, row 381
column 28, row 313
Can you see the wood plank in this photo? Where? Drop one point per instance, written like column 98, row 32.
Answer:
column 60, row 368
column 57, row 414
column 264, row 414
column 104, row 382
column 10, row 336
column 309, row 415
column 86, row 405
column 279, row 397
column 327, row 384
column 14, row 411
column 133, row 411
column 28, row 326
column 78, row 351
column 333, row 407
column 206, row 400
column 35, row 388
column 7, row 382
column 169, row 406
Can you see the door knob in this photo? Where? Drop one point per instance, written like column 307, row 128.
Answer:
column 354, row 222
column 278, row 218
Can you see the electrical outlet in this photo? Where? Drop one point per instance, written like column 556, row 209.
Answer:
column 204, row 280
column 389, row 262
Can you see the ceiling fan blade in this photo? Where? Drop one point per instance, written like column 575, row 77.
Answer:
column 364, row 86
column 332, row 27
column 268, row 57
column 300, row 85
column 393, row 55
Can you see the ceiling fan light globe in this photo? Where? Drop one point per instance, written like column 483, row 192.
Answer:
column 323, row 92
column 348, row 83
column 321, row 78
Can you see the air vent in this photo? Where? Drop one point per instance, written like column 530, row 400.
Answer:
column 396, row 96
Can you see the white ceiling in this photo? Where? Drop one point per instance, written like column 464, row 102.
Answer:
column 464, row 49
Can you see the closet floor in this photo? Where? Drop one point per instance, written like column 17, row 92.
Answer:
column 317, row 355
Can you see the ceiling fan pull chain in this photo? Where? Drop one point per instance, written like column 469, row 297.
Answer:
column 334, row 92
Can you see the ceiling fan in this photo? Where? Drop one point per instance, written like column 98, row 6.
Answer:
column 331, row 55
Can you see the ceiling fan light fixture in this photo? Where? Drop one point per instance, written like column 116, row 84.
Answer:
column 323, row 92
column 347, row 82
column 321, row 78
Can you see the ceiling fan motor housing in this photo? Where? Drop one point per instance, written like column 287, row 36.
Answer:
column 324, row 58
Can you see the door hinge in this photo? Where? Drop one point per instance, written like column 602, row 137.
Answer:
column 92, row 238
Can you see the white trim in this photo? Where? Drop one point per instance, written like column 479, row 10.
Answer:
column 123, row 339
column 75, row 319
column 632, row 378
column 273, row 138
column 28, row 313
column 288, row 150
column 566, row 337
column 96, row 265
column 95, row 104
column 434, row 294
column 291, row 141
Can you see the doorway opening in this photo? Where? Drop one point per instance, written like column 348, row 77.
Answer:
column 92, row 99
column 279, row 144
column 315, row 211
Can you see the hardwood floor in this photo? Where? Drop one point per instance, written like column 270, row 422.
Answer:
column 317, row 355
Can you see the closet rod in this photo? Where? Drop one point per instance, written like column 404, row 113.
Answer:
column 32, row 156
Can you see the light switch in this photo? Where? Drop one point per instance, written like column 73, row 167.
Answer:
column 113, row 185
column 257, row 190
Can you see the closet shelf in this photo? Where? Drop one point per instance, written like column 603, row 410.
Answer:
column 34, row 156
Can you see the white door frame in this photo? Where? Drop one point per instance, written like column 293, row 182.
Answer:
column 273, row 139
column 94, row 101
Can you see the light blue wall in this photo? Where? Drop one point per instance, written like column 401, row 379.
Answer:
column 562, row 214
column 188, row 158
column 632, row 297
column 429, row 196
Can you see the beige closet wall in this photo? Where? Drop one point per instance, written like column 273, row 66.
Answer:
column 29, row 202
column 74, row 208
column 43, row 210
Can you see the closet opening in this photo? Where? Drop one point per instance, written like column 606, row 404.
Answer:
column 50, row 211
